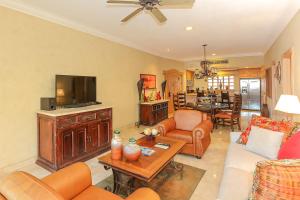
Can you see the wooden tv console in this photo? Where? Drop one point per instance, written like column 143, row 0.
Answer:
column 66, row 136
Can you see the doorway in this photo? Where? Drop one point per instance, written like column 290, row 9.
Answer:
column 174, row 80
column 250, row 90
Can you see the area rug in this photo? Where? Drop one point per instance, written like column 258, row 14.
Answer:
column 170, row 184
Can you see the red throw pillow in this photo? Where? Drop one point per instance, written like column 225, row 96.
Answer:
column 291, row 148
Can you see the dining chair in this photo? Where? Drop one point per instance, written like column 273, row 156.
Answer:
column 179, row 100
column 225, row 98
column 231, row 117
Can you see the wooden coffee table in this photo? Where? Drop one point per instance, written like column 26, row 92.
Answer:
column 146, row 168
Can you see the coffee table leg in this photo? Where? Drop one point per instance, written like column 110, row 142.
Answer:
column 121, row 181
column 117, row 182
column 130, row 185
column 178, row 167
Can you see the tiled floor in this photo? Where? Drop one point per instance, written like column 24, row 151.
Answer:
column 212, row 162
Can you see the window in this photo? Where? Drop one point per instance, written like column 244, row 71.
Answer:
column 224, row 80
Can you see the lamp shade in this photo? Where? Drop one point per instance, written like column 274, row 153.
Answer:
column 288, row 104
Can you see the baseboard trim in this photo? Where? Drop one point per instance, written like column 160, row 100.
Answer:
column 18, row 165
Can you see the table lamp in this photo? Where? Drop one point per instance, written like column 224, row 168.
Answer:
column 288, row 104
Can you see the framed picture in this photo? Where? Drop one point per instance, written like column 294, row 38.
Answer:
column 149, row 81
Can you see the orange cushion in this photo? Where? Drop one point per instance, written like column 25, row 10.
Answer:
column 224, row 115
column 94, row 193
column 186, row 136
column 187, row 119
column 277, row 180
column 267, row 123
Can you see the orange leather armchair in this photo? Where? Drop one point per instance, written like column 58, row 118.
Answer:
column 73, row 182
column 194, row 127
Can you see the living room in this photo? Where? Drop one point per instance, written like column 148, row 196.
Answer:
column 43, row 39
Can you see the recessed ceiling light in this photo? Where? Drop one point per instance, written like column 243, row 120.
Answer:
column 188, row 28
column 213, row 54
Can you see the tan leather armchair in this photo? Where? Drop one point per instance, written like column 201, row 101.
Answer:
column 73, row 182
column 194, row 127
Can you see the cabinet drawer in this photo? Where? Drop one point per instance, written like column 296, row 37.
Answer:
column 105, row 114
column 65, row 122
column 87, row 117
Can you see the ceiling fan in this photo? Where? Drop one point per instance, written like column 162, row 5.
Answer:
column 151, row 5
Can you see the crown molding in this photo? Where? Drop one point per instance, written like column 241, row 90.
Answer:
column 226, row 56
column 76, row 26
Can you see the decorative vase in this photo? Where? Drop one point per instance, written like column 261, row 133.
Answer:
column 116, row 146
column 132, row 151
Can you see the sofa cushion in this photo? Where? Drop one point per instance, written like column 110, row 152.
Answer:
column 235, row 185
column 264, row 142
column 182, row 135
column 238, row 157
column 93, row 193
column 187, row 119
column 290, row 149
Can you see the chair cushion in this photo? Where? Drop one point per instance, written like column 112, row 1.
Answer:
column 186, row 136
column 94, row 193
column 290, row 149
column 187, row 119
column 224, row 115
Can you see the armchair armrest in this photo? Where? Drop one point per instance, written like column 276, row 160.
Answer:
column 202, row 129
column 144, row 194
column 20, row 185
column 166, row 126
column 70, row 181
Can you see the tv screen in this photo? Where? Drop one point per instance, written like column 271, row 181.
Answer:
column 75, row 90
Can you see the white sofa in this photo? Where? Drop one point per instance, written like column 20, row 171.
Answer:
column 239, row 169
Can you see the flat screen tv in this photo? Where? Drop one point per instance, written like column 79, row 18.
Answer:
column 73, row 91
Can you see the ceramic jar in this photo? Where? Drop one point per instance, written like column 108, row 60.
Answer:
column 116, row 146
column 132, row 151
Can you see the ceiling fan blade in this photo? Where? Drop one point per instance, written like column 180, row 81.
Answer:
column 123, row 2
column 134, row 13
column 158, row 15
column 175, row 2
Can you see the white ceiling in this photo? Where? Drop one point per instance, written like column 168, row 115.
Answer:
column 230, row 27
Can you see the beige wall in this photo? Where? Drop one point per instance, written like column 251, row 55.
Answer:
column 288, row 39
column 32, row 51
